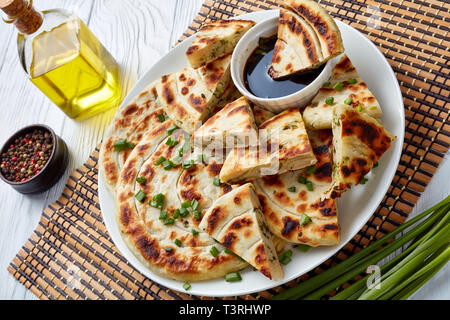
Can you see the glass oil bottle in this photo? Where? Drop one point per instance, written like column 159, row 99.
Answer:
column 64, row 59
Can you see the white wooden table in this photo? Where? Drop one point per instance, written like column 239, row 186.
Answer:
column 137, row 33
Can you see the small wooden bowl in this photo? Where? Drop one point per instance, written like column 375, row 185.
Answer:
column 53, row 169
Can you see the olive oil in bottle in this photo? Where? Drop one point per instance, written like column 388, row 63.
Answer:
column 64, row 59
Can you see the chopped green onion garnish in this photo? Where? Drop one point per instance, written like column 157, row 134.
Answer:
column 373, row 108
column 303, row 247
column 171, row 142
column 233, row 277
column 301, row 179
column 348, row 100
column 216, row 182
column 292, row 189
column 326, row 84
column 285, row 257
column 123, row 144
column 214, row 252
column 352, row 81
column 157, row 201
column 311, row 170
column 168, row 249
column 309, row 186
column 359, row 107
column 168, row 165
column 304, row 220
column 176, row 213
column 329, row 101
column 169, row 221
column 177, row 242
column 140, row 196
column 201, row 158
column 194, row 204
column 184, row 212
column 194, row 232
column 172, row 129
column 141, row 180
column 163, row 215
column 186, row 286
column 160, row 160
column 186, row 204
column 161, row 117
column 228, row 251
column 197, row 214
column 363, row 181
column 338, row 86
column 188, row 164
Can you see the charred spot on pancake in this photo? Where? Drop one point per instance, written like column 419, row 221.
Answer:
column 289, row 226
column 344, row 64
column 327, row 212
column 130, row 109
column 126, row 215
column 282, row 197
column 357, row 169
column 192, row 49
column 168, row 95
column 260, row 257
column 110, row 170
column 182, row 77
column 225, row 188
column 214, row 169
column 216, row 215
column 237, row 200
column 240, row 109
column 303, row 195
column 148, row 248
column 184, row 91
column 229, row 239
column 323, row 172
column 164, row 78
column 331, row 226
column 241, row 223
column 196, row 102
column 273, row 180
column 191, row 82
column 129, row 171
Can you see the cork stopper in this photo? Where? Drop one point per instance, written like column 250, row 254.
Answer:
column 22, row 14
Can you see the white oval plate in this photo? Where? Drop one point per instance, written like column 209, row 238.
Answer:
column 355, row 207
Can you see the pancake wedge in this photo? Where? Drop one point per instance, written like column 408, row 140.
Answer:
column 234, row 121
column 359, row 141
column 189, row 95
column 235, row 220
column 283, row 146
column 295, row 212
column 297, row 48
column 216, row 39
column 307, row 38
column 323, row 24
column 345, row 86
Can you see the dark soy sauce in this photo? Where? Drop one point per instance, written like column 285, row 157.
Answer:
column 258, row 81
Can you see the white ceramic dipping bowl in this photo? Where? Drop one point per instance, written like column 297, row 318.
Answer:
column 245, row 47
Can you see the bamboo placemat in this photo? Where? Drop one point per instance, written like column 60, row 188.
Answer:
column 71, row 256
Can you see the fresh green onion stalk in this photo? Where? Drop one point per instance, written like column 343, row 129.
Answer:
column 426, row 254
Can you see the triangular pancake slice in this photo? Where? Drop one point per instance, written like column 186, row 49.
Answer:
column 236, row 221
column 345, row 86
column 323, row 24
column 297, row 48
column 283, row 146
column 359, row 141
column 235, row 120
column 189, row 95
column 216, row 39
